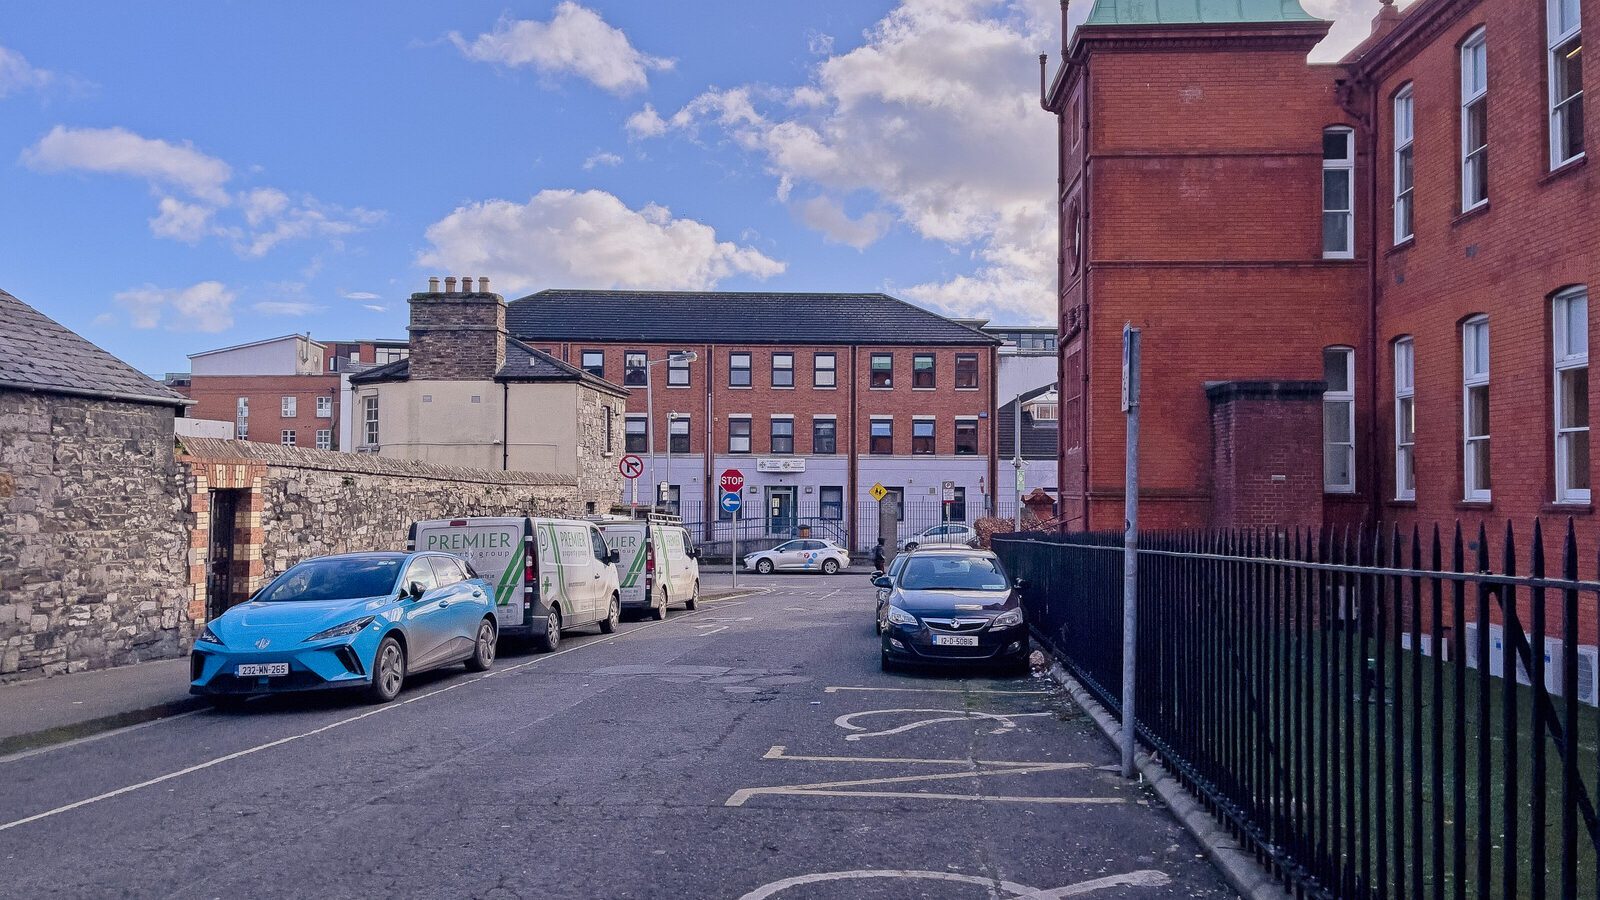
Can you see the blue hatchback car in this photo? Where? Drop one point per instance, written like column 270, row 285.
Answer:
column 359, row 620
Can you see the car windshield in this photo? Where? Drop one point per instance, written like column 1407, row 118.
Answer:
column 334, row 579
column 952, row 573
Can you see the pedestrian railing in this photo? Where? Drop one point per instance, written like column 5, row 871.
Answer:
column 1374, row 714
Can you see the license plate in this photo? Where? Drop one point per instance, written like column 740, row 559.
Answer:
column 269, row 669
column 955, row 640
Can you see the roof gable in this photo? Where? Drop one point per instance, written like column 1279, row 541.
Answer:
column 38, row 353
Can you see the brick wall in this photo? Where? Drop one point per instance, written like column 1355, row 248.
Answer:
column 457, row 335
column 1266, row 452
column 217, row 397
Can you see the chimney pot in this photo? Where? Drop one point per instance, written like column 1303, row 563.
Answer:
column 433, row 285
column 450, row 284
column 466, row 284
column 483, row 285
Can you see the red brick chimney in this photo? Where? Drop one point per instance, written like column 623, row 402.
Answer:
column 457, row 334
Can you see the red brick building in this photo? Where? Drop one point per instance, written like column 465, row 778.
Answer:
column 1241, row 206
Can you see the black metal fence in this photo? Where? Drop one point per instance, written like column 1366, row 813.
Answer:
column 854, row 527
column 1375, row 714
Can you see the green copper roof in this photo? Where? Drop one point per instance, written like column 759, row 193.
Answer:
column 1195, row 12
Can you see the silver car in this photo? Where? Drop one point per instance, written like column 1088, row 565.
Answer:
column 800, row 555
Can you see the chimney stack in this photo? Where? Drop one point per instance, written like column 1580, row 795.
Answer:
column 450, row 284
column 433, row 284
column 457, row 335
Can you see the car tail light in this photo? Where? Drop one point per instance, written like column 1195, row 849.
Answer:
column 455, row 523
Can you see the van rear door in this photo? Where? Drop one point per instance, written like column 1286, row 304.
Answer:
column 497, row 548
column 628, row 539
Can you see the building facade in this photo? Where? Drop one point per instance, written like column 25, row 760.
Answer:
column 815, row 398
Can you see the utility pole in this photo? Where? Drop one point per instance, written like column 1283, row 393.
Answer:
column 1130, row 542
column 1016, row 457
column 650, row 428
column 666, row 492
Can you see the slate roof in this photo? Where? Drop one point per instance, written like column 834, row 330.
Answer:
column 39, row 354
column 732, row 317
column 1196, row 12
column 1038, row 441
column 523, row 364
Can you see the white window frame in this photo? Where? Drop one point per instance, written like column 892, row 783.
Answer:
column 1346, row 165
column 1474, row 92
column 369, row 419
column 1405, row 395
column 1346, row 398
column 1404, row 136
column 1566, row 358
column 324, row 438
column 241, row 408
column 288, row 438
column 290, row 407
column 241, row 430
column 747, row 437
column 1476, row 487
column 1559, row 38
column 677, row 369
column 324, row 407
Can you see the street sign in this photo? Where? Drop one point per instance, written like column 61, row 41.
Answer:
column 732, row 502
column 948, row 491
column 732, row 480
column 1021, row 480
column 1130, row 367
column 630, row 466
column 879, row 492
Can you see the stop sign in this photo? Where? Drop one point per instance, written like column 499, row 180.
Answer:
column 732, row 481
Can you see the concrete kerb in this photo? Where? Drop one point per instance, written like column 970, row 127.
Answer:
column 1237, row 865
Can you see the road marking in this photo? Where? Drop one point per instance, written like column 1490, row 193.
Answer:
column 781, row 752
column 943, row 715
column 837, row 688
column 713, row 629
column 832, row 788
column 188, row 770
column 91, row 738
column 1142, row 878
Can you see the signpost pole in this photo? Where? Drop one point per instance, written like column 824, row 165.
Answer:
column 733, row 564
column 1130, row 542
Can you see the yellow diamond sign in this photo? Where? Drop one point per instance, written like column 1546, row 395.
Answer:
column 879, row 492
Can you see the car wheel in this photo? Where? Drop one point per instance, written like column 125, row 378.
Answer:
column 388, row 671
column 659, row 611
column 830, row 567
column 483, row 654
column 694, row 598
column 764, row 566
column 608, row 625
column 551, row 639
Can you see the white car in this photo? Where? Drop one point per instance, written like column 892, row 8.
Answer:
column 950, row 534
column 800, row 555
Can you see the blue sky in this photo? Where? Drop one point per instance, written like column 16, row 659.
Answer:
column 185, row 176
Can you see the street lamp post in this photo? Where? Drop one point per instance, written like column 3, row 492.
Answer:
column 650, row 419
column 1016, row 457
column 671, row 417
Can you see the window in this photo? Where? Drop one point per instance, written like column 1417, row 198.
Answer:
column 825, row 371
column 1339, row 420
column 830, row 503
column 678, row 369
column 1474, row 122
column 1402, row 165
column 922, row 436
column 1405, row 420
column 420, row 573
column 242, row 430
column 922, row 371
column 824, row 436
column 287, row 438
column 383, row 355
column 635, row 435
column 446, row 570
column 1566, row 81
column 738, row 370
column 1338, row 193
column 1044, row 409
column 611, row 424
column 369, row 419
column 738, row 434
column 966, row 437
column 966, row 371
column 1475, row 407
column 1570, row 316
column 882, row 441
column 602, row 550
column 324, row 407
column 955, row 510
column 291, row 407
column 882, row 370
column 783, row 370
column 783, row 434
column 324, row 439
column 635, row 368
column 594, row 362
column 242, row 408
column 678, row 434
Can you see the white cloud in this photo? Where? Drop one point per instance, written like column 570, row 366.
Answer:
column 269, row 216
column 646, row 123
column 1352, row 23
column 359, row 295
column 206, row 307
column 374, row 307
column 819, row 43
column 586, row 239
column 602, row 158
column 18, row 75
column 286, row 307
column 575, row 40
column 828, row 216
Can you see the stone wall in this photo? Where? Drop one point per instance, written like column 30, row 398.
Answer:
column 93, row 535
column 599, row 479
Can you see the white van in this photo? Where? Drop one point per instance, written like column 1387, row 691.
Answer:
column 659, row 563
column 548, row 574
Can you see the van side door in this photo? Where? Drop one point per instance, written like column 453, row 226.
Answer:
column 604, row 581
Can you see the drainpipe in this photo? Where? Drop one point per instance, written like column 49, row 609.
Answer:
column 505, row 426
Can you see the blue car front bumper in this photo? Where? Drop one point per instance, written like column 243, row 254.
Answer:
column 338, row 663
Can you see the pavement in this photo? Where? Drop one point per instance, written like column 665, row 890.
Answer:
column 749, row 749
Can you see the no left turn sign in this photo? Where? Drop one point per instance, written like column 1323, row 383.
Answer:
column 631, row 466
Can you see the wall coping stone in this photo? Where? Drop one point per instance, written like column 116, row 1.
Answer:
column 219, row 450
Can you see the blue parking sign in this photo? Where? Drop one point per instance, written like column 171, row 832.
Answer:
column 731, row 502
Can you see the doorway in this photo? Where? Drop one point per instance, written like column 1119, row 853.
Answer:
column 781, row 512
column 219, row 552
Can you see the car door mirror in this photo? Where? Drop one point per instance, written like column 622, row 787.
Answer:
column 876, row 574
column 415, row 591
column 614, row 556
column 883, row 581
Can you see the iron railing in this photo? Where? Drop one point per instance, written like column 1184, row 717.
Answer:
column 1375, row 714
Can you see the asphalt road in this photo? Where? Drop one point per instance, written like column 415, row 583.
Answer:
column 751, row 749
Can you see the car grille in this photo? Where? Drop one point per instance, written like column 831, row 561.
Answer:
column 296, row 680
column 957, row 626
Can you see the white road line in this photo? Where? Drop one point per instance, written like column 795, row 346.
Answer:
column 834, row 689
column 1142, row 878
column 831, row 788
column 941, row 715
column 91, row 738
column 316, row 731
column 781, row 752
column 917, row 795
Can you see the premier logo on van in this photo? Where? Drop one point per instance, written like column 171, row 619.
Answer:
column 456, row 541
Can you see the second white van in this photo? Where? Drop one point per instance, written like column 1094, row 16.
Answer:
column 657, row 562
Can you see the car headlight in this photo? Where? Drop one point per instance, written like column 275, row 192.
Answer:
column 208, row 636
column 1008, row 618
column 344, row 630
column 898, row 616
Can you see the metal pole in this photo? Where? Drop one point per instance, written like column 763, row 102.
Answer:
column 1016, row 458
column 733, row 566
column 650, row 429
column 1130, row 544
column 670, row 417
